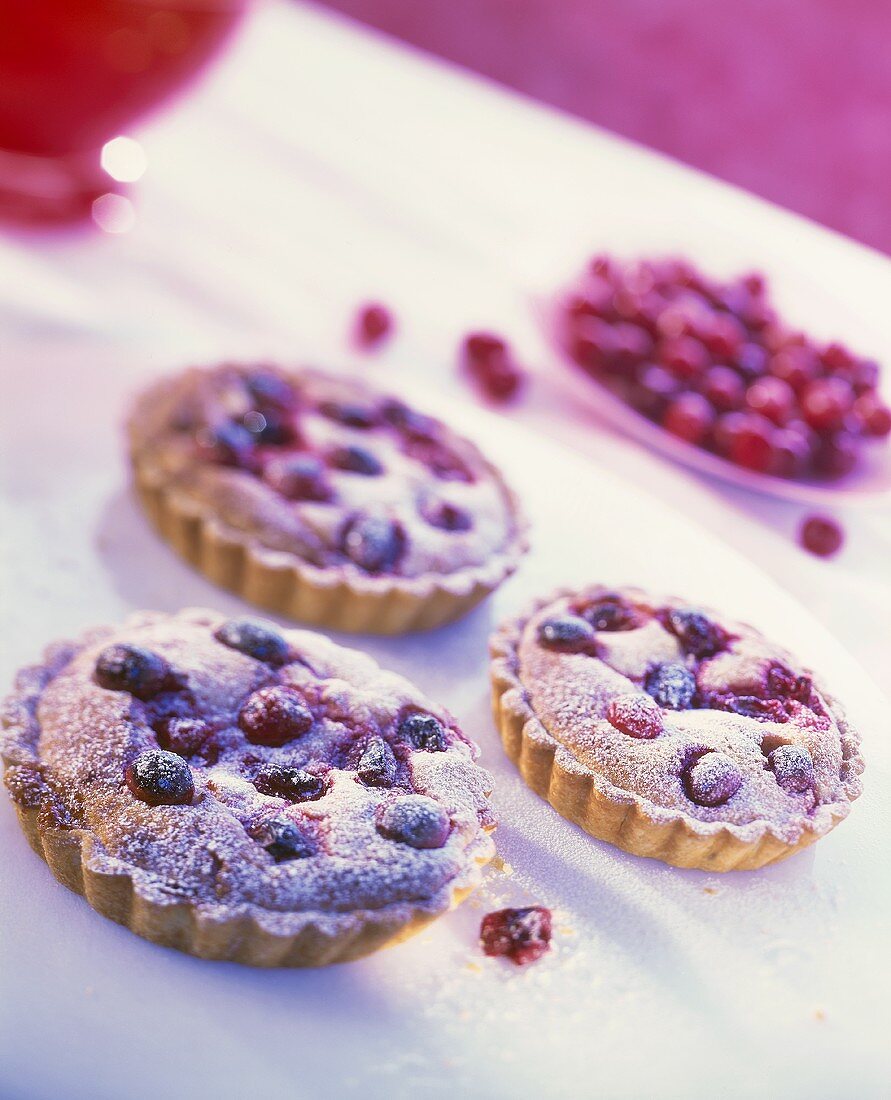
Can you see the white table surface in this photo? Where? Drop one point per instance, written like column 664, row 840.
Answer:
column 320, row 165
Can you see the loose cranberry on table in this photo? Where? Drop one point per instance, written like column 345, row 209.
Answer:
column 488, row 360
column 521, row 935
column 374, row 323
column 713, row 364
column 821, row 535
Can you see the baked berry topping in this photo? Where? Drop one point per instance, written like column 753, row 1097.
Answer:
column 415, row 820
column 609, row 614
column 129, row 668
column 274, row 716
column 299, row 477
column 160, row 778
column 440, row 460
column 270, row 391
column 794, row 768
column 254, row 639
column 424, row 732
column 408, row 421
column 783, row 682
column 821, row 535
column 635, row 715
column 229, row 443
column 356, row 460
column 698, row 635
column 349, row 413
column 377, row 764
column 567, row 634
column 750, row 706
column 271, row 427
column 282, row 839
column 286, row 781
column 374, row 543
column 373, row 323
column 672, row 685
column 184, row 736
column 444, row 515
column 521, row 935
column 712, row 779
column 690, row 353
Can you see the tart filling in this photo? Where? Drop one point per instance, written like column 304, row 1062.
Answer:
column 341, row 479
column 669, row 710
column 250, row 773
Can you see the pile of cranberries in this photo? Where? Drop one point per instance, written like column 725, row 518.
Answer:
column 713, row 364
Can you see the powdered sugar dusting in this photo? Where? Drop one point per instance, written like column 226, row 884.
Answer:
column 571, row 693
column 76, row 738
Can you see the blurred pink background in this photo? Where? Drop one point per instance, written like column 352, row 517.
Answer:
column 790, row 99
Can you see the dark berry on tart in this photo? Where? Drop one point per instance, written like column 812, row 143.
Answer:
column 670, row 731
column 321, row 499
column 245, row 792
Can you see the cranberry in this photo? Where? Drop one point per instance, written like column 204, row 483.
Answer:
column 356, row 460
column 480, row 347
column 699, row 635
column 610, row 613
column 567, row 634
column 415, row 820
column 269, row 428
column 184, row 736
column 160, row 778
column 442, row 462
column 795, row 366
column 874, row 414
column 271, row 390
column 653, row 390
column 723, row 388
column 826, row 401
column 445, row 516
column 274, row 716
column 229, row 444
column 374, row 543
column 684, row 356
column 377, row 764
column 751, row 361
column 286, row 781
column 594, row 345
column 792, row 453
column 865, row 376
column 724, row 336
column 299, row 477
column 488, row 360
column 836, row 455
column 254, row 639
column 836, row 357
column 771, row 397
column 282, row 839
column 129, row 668
column 373, row 323
column 793, row 767
column 521, row 935
column 423, row 731
column 712, row 779
column 821, row 535
column 635, row 715
column 349, row 413
column 752, row 445
column 673, row 686
column 413, row 424
column 690, row 417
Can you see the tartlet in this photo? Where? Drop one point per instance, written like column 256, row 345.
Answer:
column 242, row 792
column 318, row 498
column 670, row 732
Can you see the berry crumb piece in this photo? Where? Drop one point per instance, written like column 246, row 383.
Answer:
column 521, row 935
column 374, row 323
column 821, row 535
